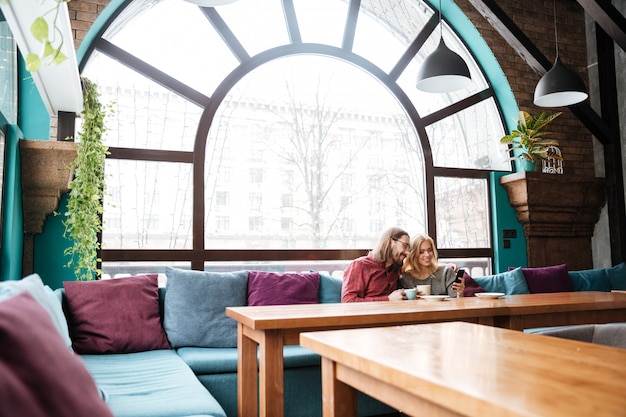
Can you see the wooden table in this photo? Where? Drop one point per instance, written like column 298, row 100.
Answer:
column 271, row 327
column 463, row 369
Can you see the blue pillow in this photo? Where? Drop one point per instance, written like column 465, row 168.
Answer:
column 330, row 289
column 195, row 303
column 45, row 296
column 590, row 280
column 617, row 276
column 509, row 282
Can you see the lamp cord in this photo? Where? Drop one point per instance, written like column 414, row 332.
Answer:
column 556, row 34
column 440, row 25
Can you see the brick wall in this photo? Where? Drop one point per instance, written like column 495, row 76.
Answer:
column 535, row 18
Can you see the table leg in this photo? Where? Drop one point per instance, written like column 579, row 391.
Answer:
column 271, row 377
column 247, row 385
column 338, row 399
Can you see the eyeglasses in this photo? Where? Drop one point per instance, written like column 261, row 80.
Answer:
column 405, row 245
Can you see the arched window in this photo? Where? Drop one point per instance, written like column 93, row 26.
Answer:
column 287, row 131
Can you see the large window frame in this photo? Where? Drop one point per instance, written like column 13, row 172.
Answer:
column 198, row 256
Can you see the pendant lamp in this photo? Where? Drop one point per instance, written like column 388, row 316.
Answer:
column 443, row 71
column 210, row 3
column 560, row 86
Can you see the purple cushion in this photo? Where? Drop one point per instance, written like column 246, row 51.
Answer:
column 115, row 315
column 273, row 288
column 39, row 375
column 548, row 279
column 471, row 286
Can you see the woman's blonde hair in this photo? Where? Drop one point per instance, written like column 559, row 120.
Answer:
column 411, row 261
column 382, row 251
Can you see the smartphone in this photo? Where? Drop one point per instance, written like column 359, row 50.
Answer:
column 459, row 275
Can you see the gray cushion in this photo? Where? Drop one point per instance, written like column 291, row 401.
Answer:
column 44, row 295
column 195, row 304
column 610, row 334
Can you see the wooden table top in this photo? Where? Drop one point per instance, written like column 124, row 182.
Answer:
column 312, row 315
column 481, row 371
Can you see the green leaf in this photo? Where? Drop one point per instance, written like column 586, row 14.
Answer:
column 39, row 29
column 59, row 58
column 33, row 62
column 48, row 49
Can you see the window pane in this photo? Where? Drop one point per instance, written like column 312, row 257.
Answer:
column 147, row 205
column 470, row 139
column 462, row 213
column 166, row 34
column 323, row 164
column 385, row 29
column 8, row 73
column 259, row 25
column 327, row 14
column 145, row 115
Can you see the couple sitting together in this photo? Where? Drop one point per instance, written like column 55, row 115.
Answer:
column 397, row 263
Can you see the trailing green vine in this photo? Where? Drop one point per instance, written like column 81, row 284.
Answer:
column 84, row 207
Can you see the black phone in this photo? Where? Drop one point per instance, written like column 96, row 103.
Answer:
column 459, row 275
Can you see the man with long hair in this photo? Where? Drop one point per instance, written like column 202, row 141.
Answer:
column 375, row 277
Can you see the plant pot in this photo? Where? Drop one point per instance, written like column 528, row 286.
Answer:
column 522, row 164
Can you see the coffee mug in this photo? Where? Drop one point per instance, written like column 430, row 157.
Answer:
column 410, row 293
column 423, row 289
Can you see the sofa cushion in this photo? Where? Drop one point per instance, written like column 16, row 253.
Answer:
column 617, row 276
column 330, row 289
column 115, row 315
column 39, row 375
column 206, row 361
column 590, row 280
column 509, row 282
column 471, row 286
column 156, row 383
column 195, row 304
column 273, row 288
column 548, row 279
column 44, row 295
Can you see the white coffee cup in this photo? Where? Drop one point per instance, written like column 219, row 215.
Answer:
column 423, row 289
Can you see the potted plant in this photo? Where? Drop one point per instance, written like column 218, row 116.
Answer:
column 528, row 141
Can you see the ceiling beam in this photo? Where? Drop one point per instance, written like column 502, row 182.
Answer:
column 609, row 19
column 537, row 61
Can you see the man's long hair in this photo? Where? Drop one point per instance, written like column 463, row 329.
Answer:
column 382, row 251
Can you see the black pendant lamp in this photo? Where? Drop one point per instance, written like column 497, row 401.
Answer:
column 560, row 86
column 443, row 71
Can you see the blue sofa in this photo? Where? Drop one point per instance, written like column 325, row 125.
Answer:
column 197, row 374
column 556, row 278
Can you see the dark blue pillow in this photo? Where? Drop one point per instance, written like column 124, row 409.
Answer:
column 509, row 282
column 590, row 280
column 617, row 276
column 330, row 289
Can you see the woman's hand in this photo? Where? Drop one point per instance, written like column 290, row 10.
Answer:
column 459, row 287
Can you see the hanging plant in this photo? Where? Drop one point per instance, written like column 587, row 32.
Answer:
column 83, row 220
column 51, row 40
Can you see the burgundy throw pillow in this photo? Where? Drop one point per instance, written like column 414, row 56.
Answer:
column 115, row 315
column 39, row 375
column 471, row 286
column 548, row 279
column 273, row 288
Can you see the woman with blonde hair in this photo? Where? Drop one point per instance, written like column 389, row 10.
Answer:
column 422, row 267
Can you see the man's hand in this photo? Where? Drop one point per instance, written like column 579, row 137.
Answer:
column 397, row 295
